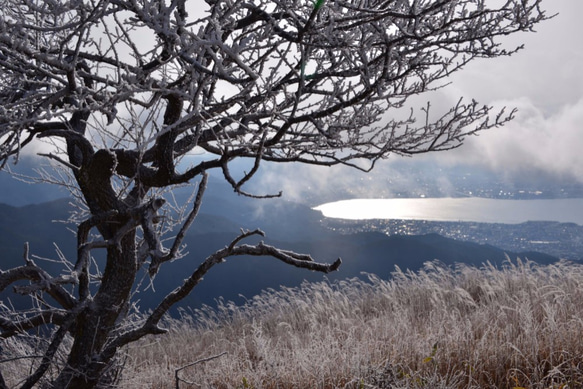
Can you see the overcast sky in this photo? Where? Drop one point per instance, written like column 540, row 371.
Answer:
column 544, row 82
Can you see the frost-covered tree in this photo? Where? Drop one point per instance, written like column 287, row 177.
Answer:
column 124, row 89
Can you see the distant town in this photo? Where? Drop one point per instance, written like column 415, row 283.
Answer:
column 564, row 240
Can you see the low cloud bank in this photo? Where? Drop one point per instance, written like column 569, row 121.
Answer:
column 531, row 143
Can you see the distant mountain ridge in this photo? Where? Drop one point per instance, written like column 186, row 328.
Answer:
column 287, row 225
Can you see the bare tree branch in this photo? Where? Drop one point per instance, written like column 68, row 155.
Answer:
column 10, row 327
column 157, row 260
column 151, row 324
column 57, row 338
column 202, row 360
column 42, row 281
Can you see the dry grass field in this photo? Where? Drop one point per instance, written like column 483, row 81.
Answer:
column 518, row 326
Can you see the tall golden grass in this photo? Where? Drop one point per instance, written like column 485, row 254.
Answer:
column 516, row 326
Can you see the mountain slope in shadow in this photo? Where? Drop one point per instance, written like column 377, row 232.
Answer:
column 287, row 225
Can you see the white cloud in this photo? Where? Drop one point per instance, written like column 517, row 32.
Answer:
column 547, row 70
column 545, row 83
column 530, row 143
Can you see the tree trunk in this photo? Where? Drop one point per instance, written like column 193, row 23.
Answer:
column 86, row 364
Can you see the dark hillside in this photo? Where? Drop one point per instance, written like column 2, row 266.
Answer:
column 40, row 225
column 291, row 226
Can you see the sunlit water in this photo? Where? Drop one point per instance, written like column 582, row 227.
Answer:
column 467, row 209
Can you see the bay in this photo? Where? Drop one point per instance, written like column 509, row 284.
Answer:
column 466, row 209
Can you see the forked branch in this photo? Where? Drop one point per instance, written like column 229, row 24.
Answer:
column 157, row 260
column 40, row 281
column 233, row 249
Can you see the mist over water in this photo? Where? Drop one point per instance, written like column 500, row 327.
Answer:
column 467, row 209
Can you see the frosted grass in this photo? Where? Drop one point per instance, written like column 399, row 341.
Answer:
column 517, row 326
column 463, row 327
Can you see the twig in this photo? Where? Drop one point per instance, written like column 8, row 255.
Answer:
column 60, row 160
column 178, row 379
column 19, row 358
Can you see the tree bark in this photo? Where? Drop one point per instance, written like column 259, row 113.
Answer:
column 85, row 365
column 95, row 325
